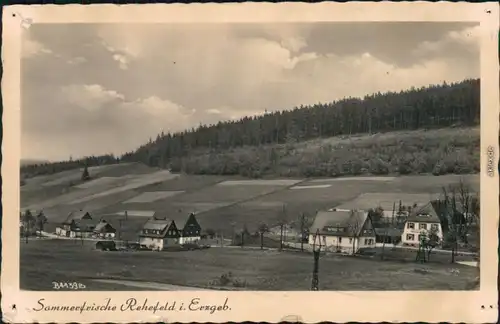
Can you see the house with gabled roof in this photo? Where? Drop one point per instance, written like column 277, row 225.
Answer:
column 159, row 233
column 104, row 230
column 77, row 224
column 421, row 221
column 344, row 231
column 191, row 231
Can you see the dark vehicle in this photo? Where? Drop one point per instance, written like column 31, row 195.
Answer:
column 194, row 246
column 106, row 246
column 190, row 246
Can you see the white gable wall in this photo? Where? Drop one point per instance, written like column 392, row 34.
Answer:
column 411, row 233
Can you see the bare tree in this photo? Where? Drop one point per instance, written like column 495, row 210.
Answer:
column 41, row 220
column 262, row 229
column 282, row 222
column 303, row 223
column 431, row 241
column 460, row 209
column 28, row 221
column 244, row 232
column 354, row 227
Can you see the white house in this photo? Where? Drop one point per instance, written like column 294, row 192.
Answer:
column 158, row 233
column 344, row 231
column 421, row 221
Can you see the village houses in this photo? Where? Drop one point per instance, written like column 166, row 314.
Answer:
column 344, row 231
column 422, row 220
column 80, row 224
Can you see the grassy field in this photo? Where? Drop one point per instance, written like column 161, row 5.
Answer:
column 55, row 260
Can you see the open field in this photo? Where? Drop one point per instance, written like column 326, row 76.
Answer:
column 45, row 261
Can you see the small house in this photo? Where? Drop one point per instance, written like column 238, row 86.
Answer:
column 421, row 221
column 159, row 233
column 104, row 230
column 191, row 231
column 344, row 231
column 77, row 224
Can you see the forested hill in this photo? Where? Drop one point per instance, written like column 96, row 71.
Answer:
column 438, row 106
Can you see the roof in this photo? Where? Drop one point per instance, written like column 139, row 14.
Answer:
column 102, row 226
column 84, row 225
column 349, row 220
column 388, row 231
column 76, row 215
column 439, row 205
column 157, row 223
column 386, row 200
column 424, row 214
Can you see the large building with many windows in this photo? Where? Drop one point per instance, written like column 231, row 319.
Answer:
column 422, row 220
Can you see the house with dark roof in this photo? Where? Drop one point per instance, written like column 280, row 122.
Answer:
column 422, row 221
column 159, row 233
column 77, row 224
column 191, row 231
column 104, row 230
column 344, row 231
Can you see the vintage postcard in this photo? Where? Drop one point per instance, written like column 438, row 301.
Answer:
column 250, row 162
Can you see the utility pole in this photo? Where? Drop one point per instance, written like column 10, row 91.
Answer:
column 120, row 227
column 316, row 252
column 27, row 232
column 302, row 229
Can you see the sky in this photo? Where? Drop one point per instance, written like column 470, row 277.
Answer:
column 90, row 89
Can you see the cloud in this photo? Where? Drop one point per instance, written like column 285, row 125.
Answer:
column 118, row 85
column 454, row 42
column 77, row 60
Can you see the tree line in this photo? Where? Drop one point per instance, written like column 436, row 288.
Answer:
column 435, row 106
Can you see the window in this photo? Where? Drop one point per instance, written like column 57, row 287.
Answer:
column 350, row 240
column 410, row 237
column 434, row 227
column 411, row 225
column 422, row 226
column 340, row 240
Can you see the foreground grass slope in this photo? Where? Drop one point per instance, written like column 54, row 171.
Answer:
column 52, row 260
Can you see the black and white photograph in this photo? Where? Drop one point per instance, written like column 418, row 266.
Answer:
column 290, row 156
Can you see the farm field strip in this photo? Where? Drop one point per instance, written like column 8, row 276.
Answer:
column 310, row 187
column 98, row 182
column 136, row 213
column 388, row 179
column 147, row 197
column 134, row 183
column 386, row 200
column 277, row 182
